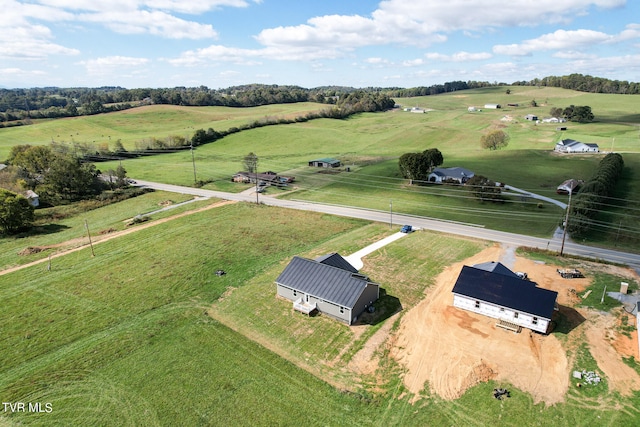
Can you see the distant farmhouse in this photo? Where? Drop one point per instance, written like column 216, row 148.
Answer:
column 554, row 120
column 492, row 106
column 491, row 289
column 416, row 110
column 569, row 186
column 573, row 146
column 329, row 285
column 269, row 178
column 325, row 163
column 457, row 174
column 32, row 198
column 531, row 117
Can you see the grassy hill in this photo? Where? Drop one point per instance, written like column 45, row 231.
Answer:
column 370, row 144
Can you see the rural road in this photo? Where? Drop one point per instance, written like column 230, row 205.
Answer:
column 553, row 244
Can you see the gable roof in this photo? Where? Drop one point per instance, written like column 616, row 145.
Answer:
column 506, row 291
column 326, row 160
column 332, row 284
column 335, row 260
column 455, row 172
column 495, row 267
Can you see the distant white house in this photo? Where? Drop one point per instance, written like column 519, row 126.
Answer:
column 531, row 117
column 554, row 120
column 492, row 106
column 416, row 110
column 456, row 174
column 573, row 146
column 472, row 109
column 32, row 198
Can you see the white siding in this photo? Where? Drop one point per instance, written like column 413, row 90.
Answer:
column 526, row 320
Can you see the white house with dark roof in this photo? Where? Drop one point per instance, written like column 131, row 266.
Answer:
column 457, row 174
column 328, row 284
column 503, row 295
column 573, row 146
column 326, row 162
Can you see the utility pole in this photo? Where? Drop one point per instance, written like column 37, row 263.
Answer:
column 86, row 225
column 566, row 223
column 193, row 160
column 390, row 213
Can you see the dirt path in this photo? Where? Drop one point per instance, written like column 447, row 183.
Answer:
column 451, row 349
column 101, row 238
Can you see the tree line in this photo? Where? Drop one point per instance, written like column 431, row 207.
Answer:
column 19, row 106
column 585, row 83
column 588, row 200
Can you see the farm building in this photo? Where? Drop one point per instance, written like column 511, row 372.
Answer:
column 472, row 109
column 573, row 146
column 270, row 178
column 325, row 163
column 554, row 120
column 457, row 174
column 531, row 117
column 500, row 294
column 492, row 106
column 569, row 186
column 32, row 198
column 328, row 284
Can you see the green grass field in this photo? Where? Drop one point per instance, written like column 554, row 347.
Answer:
column 123, row 339
column 369, row 144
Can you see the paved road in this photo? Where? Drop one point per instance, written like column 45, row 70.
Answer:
column 478, row 232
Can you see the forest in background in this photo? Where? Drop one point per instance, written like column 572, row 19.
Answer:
column 20, row 106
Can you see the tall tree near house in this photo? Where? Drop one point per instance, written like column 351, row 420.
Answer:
column 414, row 166
column 250, row 162
column 495, row 140
column 433, row 157
column 15, row 212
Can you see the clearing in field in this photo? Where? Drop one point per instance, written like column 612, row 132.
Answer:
column 450, row 350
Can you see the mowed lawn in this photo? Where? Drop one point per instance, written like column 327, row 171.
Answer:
column 125, row 337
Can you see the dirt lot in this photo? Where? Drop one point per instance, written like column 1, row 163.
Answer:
column 452, row 349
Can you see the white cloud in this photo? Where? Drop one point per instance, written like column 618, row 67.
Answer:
column 459, row 56
column 572, row 54
column 567, row 40
column 412, row 23
column 110, row 64
column 413, row 62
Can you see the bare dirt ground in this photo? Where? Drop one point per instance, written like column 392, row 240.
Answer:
column 451, row 349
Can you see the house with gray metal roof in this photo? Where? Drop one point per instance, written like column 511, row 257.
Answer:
column 328, row 284
column 325, row 163
column 515, row 302
column 573, row 146
column 456, row 174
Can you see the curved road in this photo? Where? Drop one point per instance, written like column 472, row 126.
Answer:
column 633, row 260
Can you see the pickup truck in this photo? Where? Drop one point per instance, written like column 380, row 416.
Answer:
column 406, row 229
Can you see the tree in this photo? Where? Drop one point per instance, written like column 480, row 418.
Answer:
column 414, row 166
column 251, row 163
column 556, row 112
column 508, row 91
column 495, row 140
column 15, row 212
column 484, row 189
column 70, row 179
column 433, row 157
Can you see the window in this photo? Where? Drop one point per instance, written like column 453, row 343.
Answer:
column 341, row 309
column 295, row 294
column 501, row 309
column 477, row 304
column 515, row 315
column 535, row 321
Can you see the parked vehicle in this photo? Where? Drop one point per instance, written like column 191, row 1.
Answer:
column 406, row 229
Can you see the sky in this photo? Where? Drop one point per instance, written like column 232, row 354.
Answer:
column 359, row 43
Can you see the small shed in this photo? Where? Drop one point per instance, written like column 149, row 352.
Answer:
column 531, row 117
column 32, row 198
column 492, row 106
column 326, row 162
